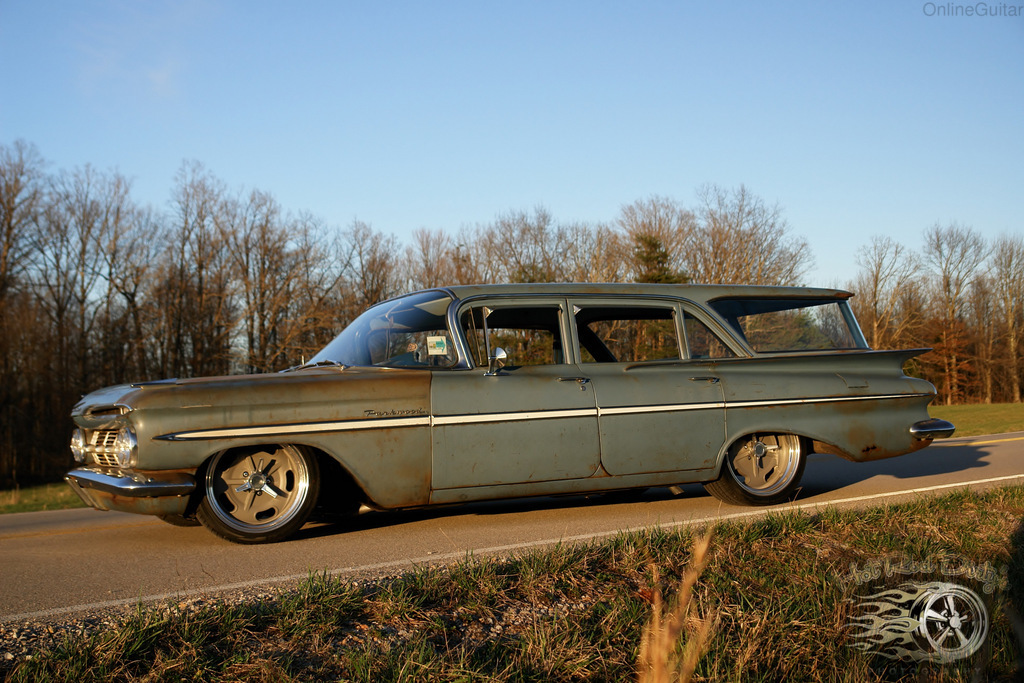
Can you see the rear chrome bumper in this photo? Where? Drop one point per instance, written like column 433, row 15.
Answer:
column 926, row 430
column 152, row 493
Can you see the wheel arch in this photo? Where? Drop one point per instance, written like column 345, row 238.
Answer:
column 807, row 443
column 750, row 475
column 336, row 477
column 368, row 464
column 340, row 491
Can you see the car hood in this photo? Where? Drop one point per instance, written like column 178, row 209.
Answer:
column 106, row 407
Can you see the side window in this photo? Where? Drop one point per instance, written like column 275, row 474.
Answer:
column 530, row 335
column 626, row 334
column 702, row 342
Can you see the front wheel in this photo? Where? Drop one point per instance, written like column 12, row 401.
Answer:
column 760, row 470
column 259, row 494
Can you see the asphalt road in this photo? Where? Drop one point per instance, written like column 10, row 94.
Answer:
column 56, row 564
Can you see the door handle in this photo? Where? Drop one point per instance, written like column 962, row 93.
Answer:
column 709, row 380
column 582, row 381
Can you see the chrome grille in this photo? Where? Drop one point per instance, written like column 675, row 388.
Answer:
column 103, row 439
column 102, row 447
column 105, row 459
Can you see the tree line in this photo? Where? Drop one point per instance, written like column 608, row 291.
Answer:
column 97, row 289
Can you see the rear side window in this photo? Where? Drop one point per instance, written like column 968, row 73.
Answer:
column 626, row 334
column 701, row 342
column 791, row 325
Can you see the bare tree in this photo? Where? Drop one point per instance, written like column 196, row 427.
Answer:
column 476, row 256
column 430, row 261
column 288, row 282
column 953, row 255
column 740, row 239
column 1008, row 277
column 193, row 291
column 319, row 296
column 982, row 323
column 888, row 270
column 595, row 254
column 264, row 265
column 21, row 193
column 130, row 259
column 656, row 230
column 531, row 246
column 126, row 249
column 82, row 208
column 21, row 171
column 69, row 341
column 374, row 266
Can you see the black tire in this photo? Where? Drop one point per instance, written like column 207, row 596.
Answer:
column 760, row 470
column 260, row 494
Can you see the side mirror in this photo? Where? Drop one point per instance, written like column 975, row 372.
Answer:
column 496, row 362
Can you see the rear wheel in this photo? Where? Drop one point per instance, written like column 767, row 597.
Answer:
column 760, row 470
column 259, row 494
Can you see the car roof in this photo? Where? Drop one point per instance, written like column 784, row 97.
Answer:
column 700, row 293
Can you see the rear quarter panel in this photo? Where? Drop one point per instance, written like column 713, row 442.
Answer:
column 858, row 404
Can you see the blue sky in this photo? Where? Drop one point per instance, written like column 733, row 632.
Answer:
column 856, row 118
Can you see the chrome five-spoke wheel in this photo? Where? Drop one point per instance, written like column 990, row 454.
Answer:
column 953, row 623
column 760, row 470
column 259, row 494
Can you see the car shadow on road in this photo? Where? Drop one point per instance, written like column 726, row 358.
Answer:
column 830, row 473
column 373, row 519
column 824, row 474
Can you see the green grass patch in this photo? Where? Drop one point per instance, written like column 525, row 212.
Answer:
column 978, row 419
column 779, row 591
column 35, row 498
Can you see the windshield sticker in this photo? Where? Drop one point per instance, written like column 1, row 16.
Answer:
column 437, row 346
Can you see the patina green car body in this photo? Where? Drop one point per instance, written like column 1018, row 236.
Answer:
column 481, row 392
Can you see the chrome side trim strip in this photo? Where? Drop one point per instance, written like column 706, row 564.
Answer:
column 444, row 420
column 626, row 410
column 670, row 408
column 823, row 399
column 301, row 428
column 485, row 418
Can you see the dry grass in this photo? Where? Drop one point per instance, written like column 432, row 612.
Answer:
column 767, row 600
column 660, row 660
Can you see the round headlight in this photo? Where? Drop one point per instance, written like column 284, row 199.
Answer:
column 126, row 448
column 78, row 445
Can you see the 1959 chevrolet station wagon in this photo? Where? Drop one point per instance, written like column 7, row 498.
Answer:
column 481, row 392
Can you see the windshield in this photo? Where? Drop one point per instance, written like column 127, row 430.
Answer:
column 788, row 325
column 411, row 331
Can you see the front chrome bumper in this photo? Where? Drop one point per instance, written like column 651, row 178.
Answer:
column 151, row 493
column 926, row 430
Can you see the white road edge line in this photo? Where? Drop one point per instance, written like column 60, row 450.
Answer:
column 493, row 550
